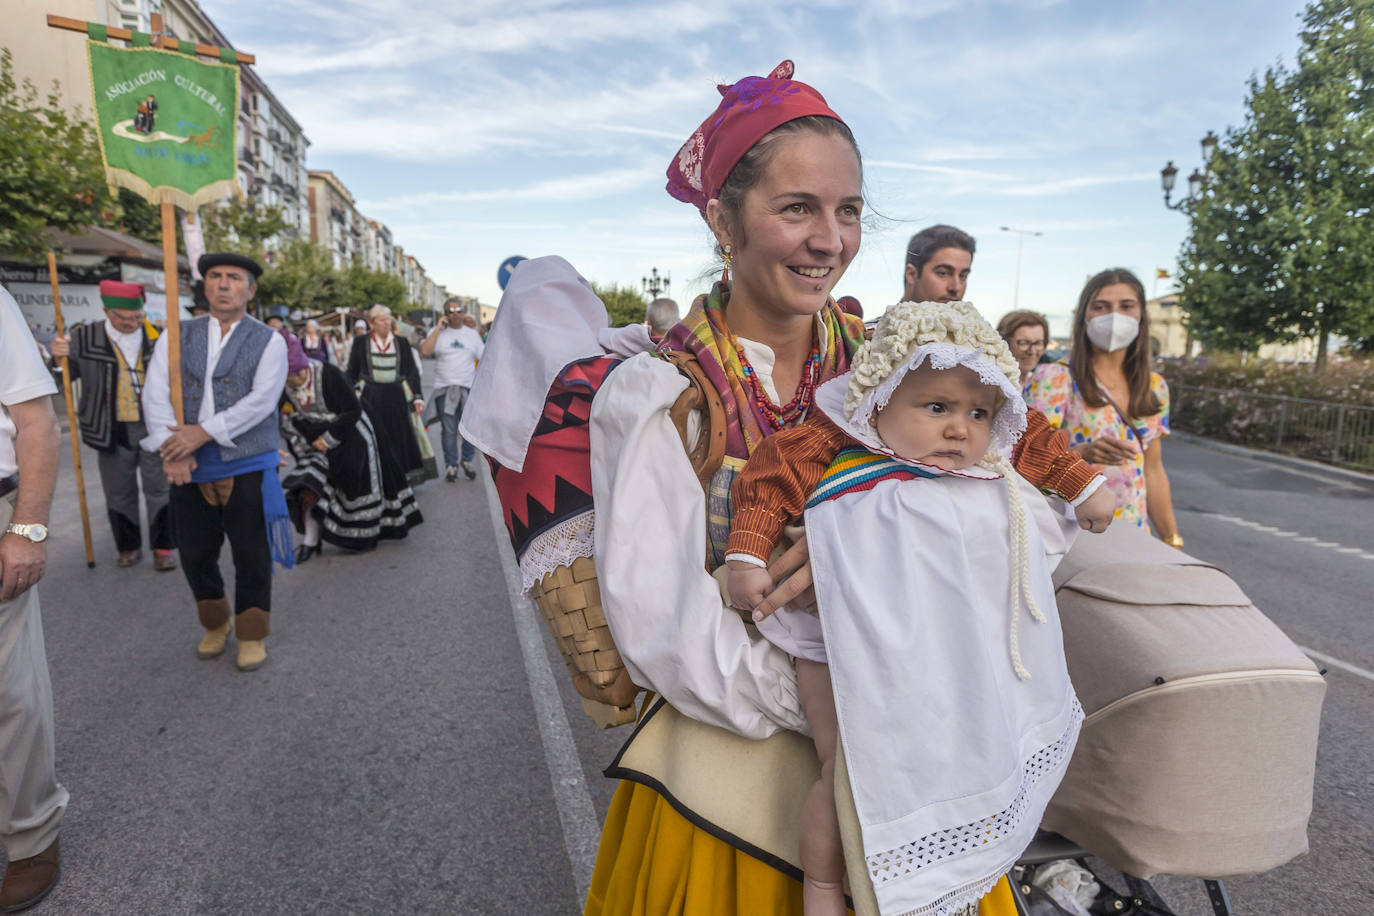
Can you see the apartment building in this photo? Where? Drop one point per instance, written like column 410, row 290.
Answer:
column 335, row 223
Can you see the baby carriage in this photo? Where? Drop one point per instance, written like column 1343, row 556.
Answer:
column 1198, row 751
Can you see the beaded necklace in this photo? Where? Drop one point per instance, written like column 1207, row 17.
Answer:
column 794, row 410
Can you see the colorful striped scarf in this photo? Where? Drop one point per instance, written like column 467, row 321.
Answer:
column 704, row 334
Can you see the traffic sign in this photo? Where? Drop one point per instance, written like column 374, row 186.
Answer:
column 507, row 268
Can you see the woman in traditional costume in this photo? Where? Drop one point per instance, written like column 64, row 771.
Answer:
column 383, row 367
column 340, row 490
column 315, row 343
column 714, row 776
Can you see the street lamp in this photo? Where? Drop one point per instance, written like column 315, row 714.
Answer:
column 654, row 284
column 1022, row 233
column 1196, row 181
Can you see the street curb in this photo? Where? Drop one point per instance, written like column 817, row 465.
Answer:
column 1275, row 458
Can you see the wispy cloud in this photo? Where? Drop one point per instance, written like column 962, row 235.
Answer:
column 1068, row 185
column 575, row 187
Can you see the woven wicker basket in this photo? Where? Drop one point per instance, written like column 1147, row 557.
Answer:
column 570, row 601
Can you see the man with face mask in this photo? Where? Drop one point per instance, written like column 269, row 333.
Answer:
column 111, row 360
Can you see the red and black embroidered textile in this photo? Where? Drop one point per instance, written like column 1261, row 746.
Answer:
column 556, row 482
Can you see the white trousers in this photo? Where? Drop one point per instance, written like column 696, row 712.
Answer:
column 31, row 801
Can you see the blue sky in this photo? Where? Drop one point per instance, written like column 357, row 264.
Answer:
column 486, row 128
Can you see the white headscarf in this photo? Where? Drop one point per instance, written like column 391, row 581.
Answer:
column 549, row 317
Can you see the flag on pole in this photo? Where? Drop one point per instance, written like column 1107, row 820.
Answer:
column 1161, row 273
column 167, row 122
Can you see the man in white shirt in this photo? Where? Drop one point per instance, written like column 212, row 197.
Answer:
column 223, row 465
column 456, row 347
column 111, row 358
column 31, row 801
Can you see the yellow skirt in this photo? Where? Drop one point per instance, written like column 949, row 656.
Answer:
column 655, row 862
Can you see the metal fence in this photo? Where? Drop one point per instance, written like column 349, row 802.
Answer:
column 1340, row 434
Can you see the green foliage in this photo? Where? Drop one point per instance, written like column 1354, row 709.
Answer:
column 50, row 172
column 624, row 304
column 1348, row 381
column 243, row 227
column 363, row 288
column 301, row 275
column 1281, row 244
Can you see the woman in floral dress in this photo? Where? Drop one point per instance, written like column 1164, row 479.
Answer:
column 1113, row 406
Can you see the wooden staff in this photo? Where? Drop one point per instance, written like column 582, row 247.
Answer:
column 71, row 417
column 169, row 285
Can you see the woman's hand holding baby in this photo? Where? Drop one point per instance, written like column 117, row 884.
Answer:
column 748, row 584
column 1097, row 511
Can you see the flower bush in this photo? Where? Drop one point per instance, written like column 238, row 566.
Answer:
column 1246, row 406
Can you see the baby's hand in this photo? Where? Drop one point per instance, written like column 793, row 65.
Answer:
column 748, row 584
column 1097, row 511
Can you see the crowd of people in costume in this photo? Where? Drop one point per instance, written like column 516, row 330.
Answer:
column 928, row 448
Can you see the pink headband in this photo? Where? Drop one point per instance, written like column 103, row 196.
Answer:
column 749, row 110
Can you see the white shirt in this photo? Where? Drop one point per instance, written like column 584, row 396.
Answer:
column 23, row 376
column 456, row 353
column 665, row 611
column 129, row 344
column 241, row 416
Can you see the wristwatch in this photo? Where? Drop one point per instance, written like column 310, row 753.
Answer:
column 1175, row 541
column 36, row 533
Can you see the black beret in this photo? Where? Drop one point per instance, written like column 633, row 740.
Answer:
column 227, row 259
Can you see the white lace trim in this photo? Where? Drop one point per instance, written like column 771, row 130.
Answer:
column 901, row 862
column 1010, row 421
column 558, row 546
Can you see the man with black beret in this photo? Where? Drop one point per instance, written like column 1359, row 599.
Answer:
column 222, row 461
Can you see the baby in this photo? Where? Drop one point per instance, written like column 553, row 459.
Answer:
column 898, row 475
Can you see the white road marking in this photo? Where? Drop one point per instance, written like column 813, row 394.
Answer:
column 1297, row 538
column 1337, row 663
column 581, row 832
column 1330, row 545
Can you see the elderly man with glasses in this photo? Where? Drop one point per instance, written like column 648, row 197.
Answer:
column 456, row 347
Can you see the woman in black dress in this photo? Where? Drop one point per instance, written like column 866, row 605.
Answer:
column 339, row 490
column 383, row 367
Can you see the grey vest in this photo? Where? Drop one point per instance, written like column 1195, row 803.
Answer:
column 231, row 381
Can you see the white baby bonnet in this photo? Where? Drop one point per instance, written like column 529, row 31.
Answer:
column 948, row 334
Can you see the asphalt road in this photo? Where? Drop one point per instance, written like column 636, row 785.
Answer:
column 393, row 756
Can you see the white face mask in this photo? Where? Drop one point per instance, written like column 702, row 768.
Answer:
column 1113, row 331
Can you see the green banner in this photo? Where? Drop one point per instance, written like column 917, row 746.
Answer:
column 168, row 123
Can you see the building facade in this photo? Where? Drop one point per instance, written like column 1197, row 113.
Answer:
column 335, row 223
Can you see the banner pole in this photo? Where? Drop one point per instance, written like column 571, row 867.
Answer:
column 71, row 416
column 169, row 284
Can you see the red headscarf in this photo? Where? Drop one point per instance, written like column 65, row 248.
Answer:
column 749, row 110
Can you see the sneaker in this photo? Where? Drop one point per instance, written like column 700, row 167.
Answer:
column 469, row 470
column 451, row 475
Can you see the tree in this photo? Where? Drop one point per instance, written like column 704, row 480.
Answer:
column 363, row 288
column 624, row 304
column 301, row 276
column 1281, row 244
column 50, row 173
column 244, row 227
